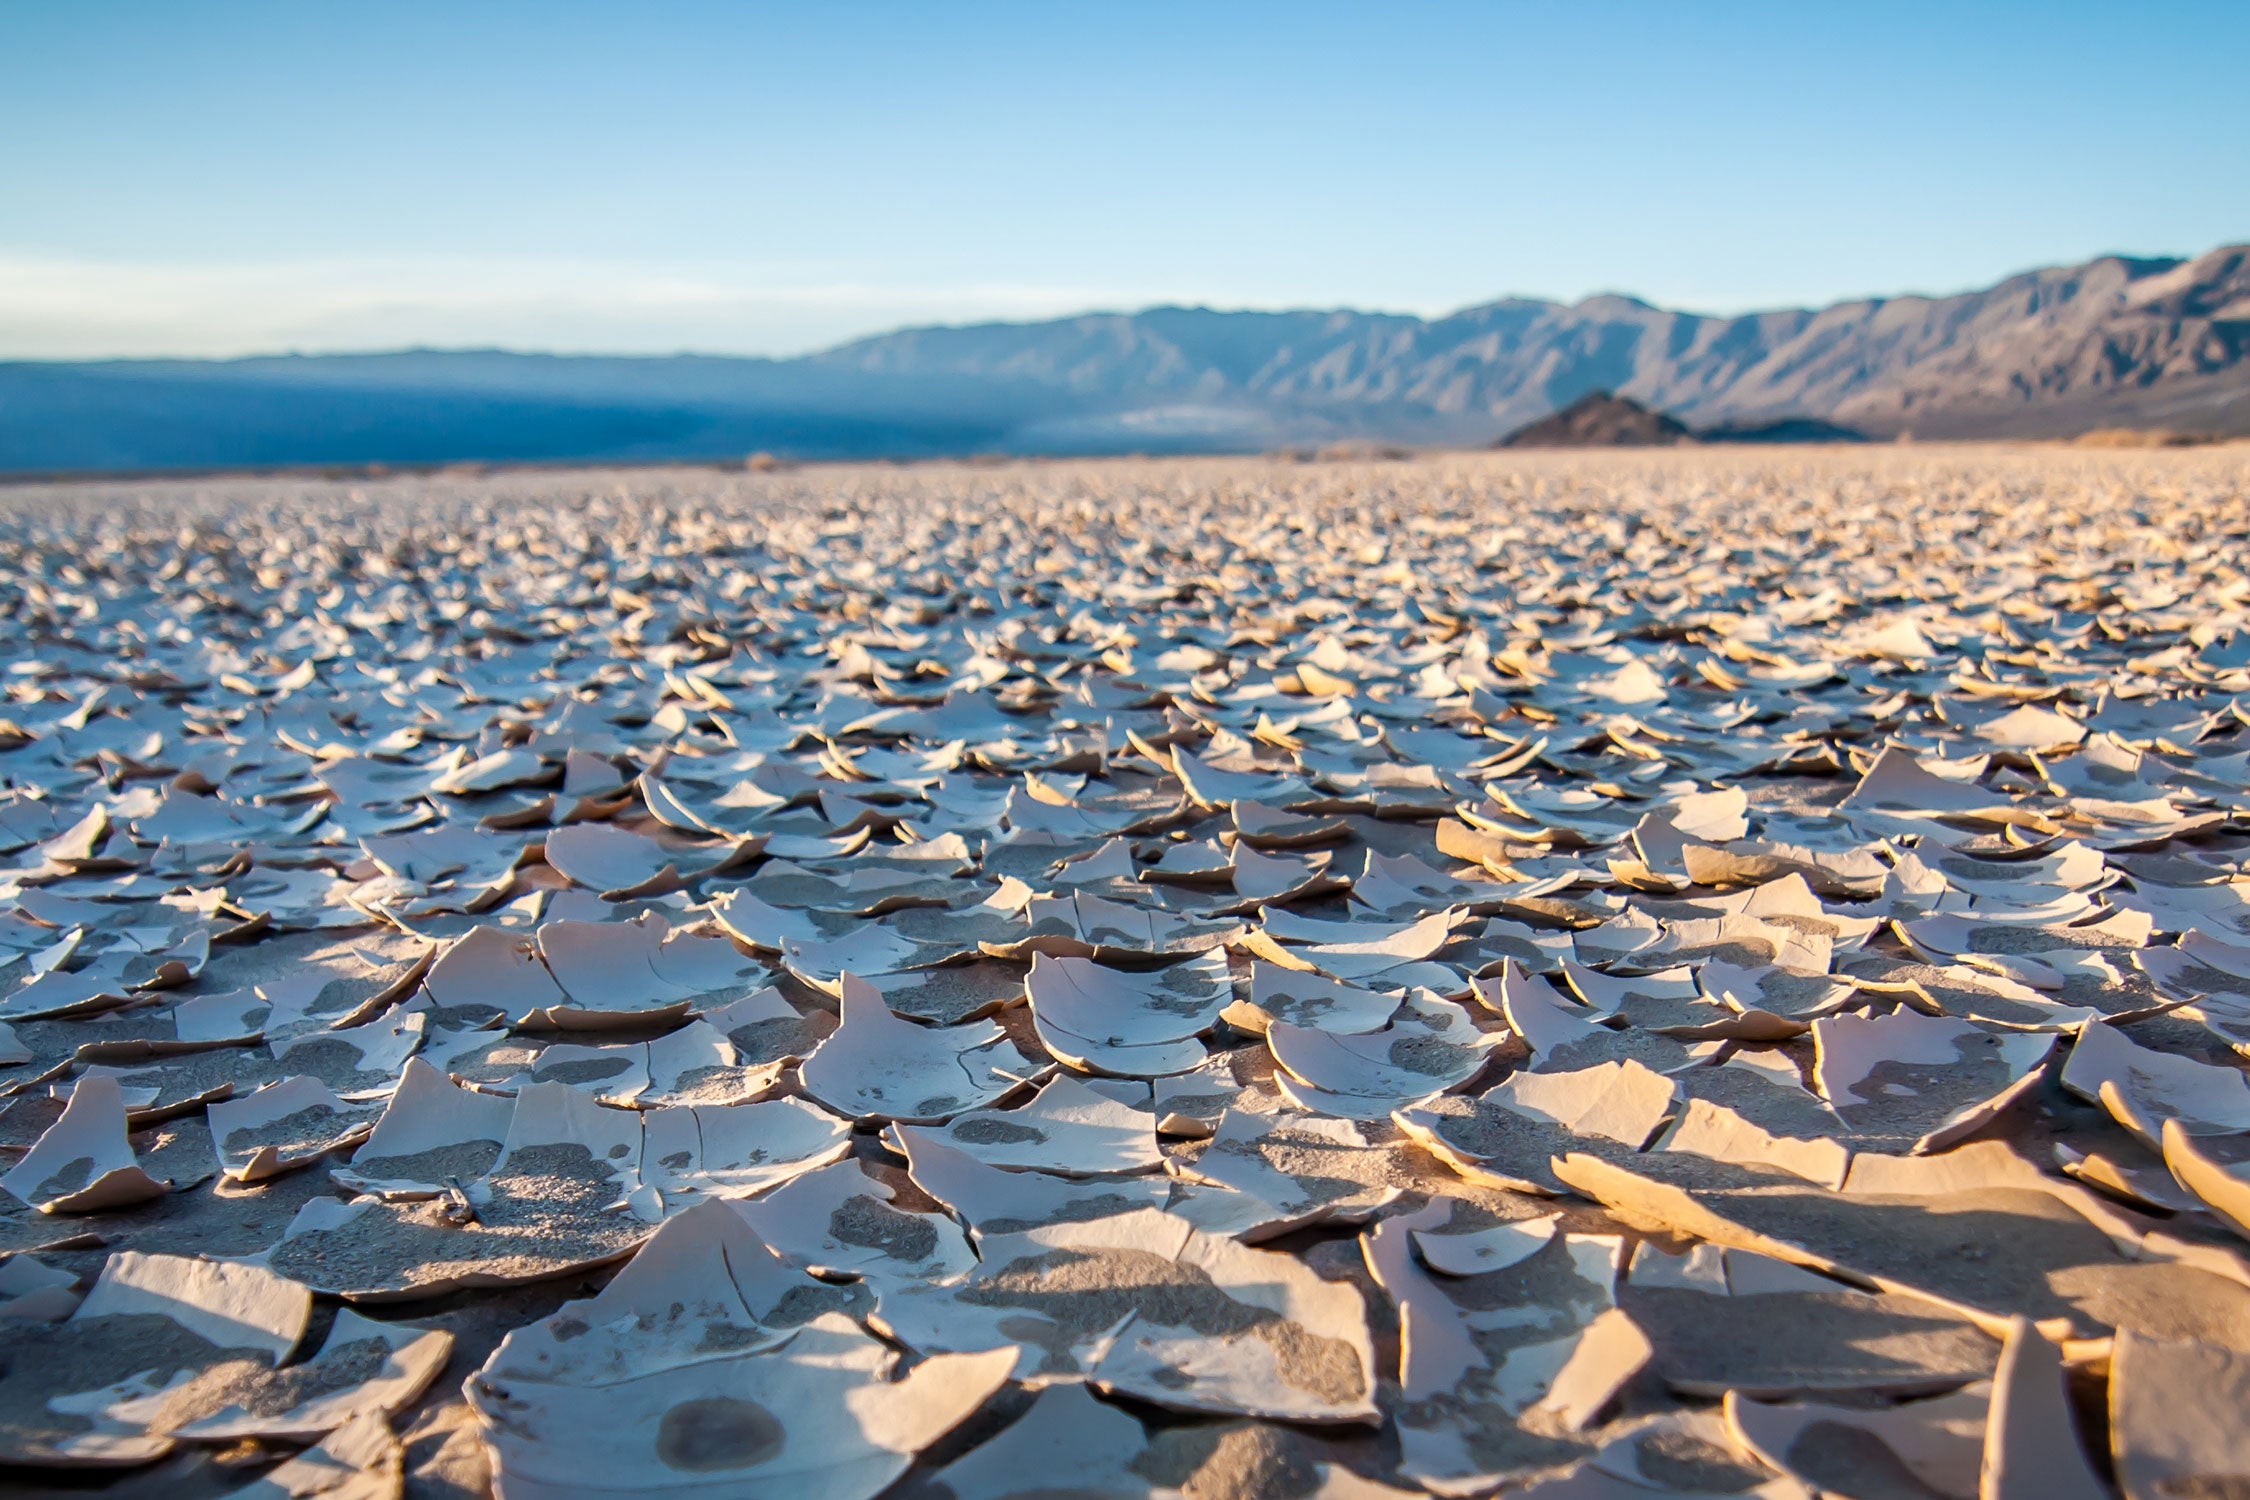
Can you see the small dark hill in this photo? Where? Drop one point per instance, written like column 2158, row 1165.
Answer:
column 1600, row 419
column 1782, row 430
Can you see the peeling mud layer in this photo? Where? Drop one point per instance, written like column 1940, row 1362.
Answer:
column 1823, row 877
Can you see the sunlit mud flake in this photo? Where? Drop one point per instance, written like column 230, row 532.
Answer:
column 818, row 1417
column 1190, row 1104
column 765, row 928
column 1213, row 787
column 1925, row 1080
column 1792, row 900
column 731, row 814
column 1772, row 1138
column 556, row 1129
column 698, row 1065
column 83, row 1163
column 738, row 1150
column 104, row 985
column 155, row 958
column 1302, row 998
column 1108, row 864
column 1480, row 1351
column 1556, row 815
column 1027, row 812
column 1507, row 1136
column 2127, row 1175
column 948, row 994
column 1143, row 1305
column 1745, row 941
column 285, row 1126
column 359, row 1062
column 705, row 1286
column 31, row 1291
column 1400, row 885
column 1503, row 941
column 94, row 845
column 1633, row 680
column 1068, row 1441
column 1471, row 1251
column 1129, row 1024
column 1619, row 938
column 620, row 864
column 1264, row 827
column 1730, row 1320
column 1282, row 878
column 363, row 1367
column 1653, row 1000
column 2218, row 999
column 2175, row 1417
column 1203, row 863
column 1901, row 794
column 1086, row 926
column 489, row 973
column 1430, row 1047
column 1564, row 1036
column 872, row 948
column 991, row 1200
column 863, row 890
column 1653, row 1453
column 432, row 1132
column 1935, row 1444
column 956, row 933
column 361, row 1460
column 77, row 1393
column 1100, row 1452
column 765, row 1030
column 1379, row 955
column 1068, row 1129
column 564, row 1194
column 616, row 1074
column 839, row 1219
column 1901, row 1223
column 478, row 868
column 879, row 1066
column 2031, row 1445
column 1767, row 1003
column 25, row 819
column 609, row 976
column 1787, row 879
column 502, row 768
column 2214, row 1172
column 2211, row 915
column 1309, row 1168
column 1898, row 638
column 2055, row 960
column 2142, row 1087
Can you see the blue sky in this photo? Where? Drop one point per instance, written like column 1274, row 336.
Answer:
column 741, row 178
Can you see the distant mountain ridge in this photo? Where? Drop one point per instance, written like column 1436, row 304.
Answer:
column 2115, row 342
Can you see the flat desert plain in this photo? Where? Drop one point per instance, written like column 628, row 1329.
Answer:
column 1713, row 972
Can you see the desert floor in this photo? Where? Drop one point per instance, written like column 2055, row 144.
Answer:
column 1691, row 972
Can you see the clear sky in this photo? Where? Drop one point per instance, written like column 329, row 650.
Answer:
column 238, row 177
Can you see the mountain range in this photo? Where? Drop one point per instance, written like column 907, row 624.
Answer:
column 2117, row 342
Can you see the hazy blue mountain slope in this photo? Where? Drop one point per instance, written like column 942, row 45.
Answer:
column 2113, row 342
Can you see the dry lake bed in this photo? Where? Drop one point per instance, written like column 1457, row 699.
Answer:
column 1717, row 972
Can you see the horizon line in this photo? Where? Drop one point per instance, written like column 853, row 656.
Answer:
column 2168, row 260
